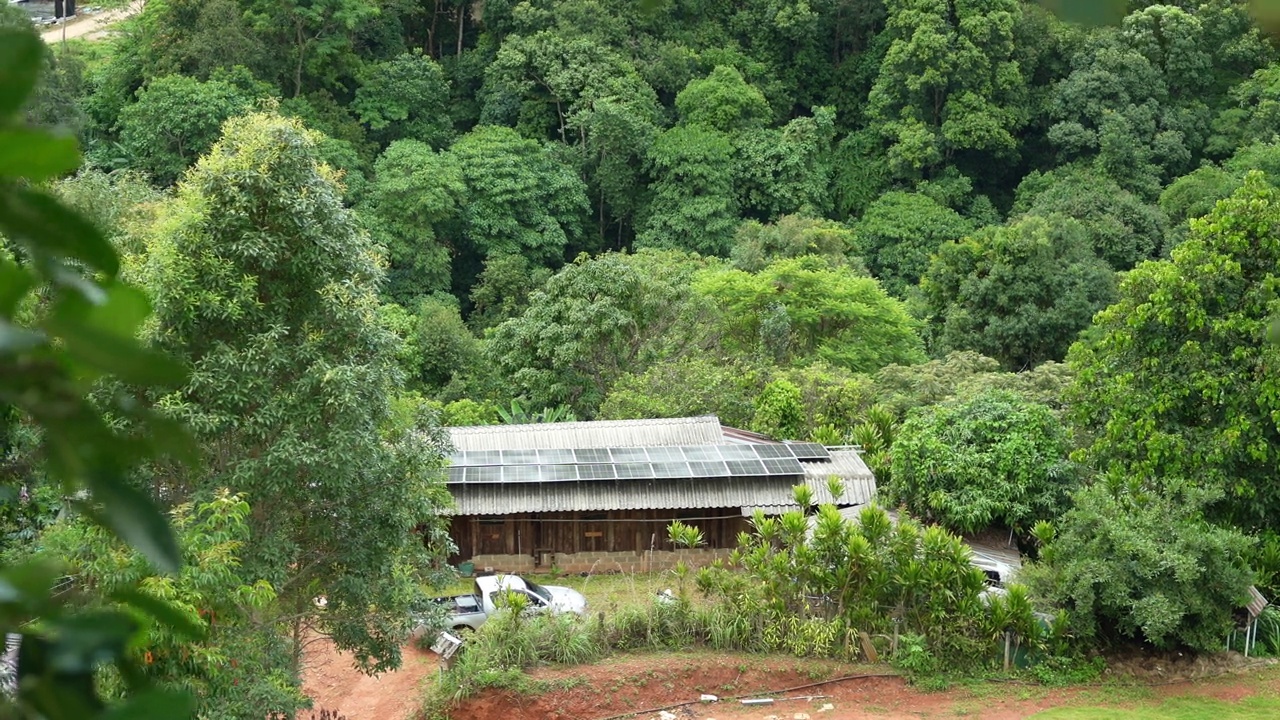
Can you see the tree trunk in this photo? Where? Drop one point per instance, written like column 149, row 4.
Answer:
column 431, row 30
column 302, row 51
column 462, row 17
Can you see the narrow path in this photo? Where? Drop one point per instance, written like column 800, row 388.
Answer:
column 91, row 27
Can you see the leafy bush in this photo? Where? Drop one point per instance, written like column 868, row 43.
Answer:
column 1146, row 567
column 992, row 459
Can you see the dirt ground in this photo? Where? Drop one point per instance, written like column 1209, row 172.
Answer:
column 644, row 685
column 331, row 681
column 91, row 27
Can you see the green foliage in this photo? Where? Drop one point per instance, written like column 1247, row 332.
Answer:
column 900, row 232
column 292, row 395
column 1145, row 567
column 693, row 205
column 995, row 459
column 948, row 83
column 722, row 101
column 503, row 289
column 437, row 349
column 828, row 313
column 787, row 170
column 519, row 198
column 176, row 120
column 235, row 669
column 415, row 197
column 1120, row 226
column 405, row 98
column 779, row 412
column 756, row 245
column 687, row 386
column 83, row 331
column 1173, row 384
column 1020, row 293
column 595, row 320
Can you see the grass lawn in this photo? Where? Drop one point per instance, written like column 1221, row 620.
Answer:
column 604, row 593
column 1181, row 708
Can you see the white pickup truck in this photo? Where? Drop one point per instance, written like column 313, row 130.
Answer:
column 469, row 612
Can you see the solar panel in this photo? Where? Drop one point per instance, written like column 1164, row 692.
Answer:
column 486, row 474
column 519, row 457
column 671, row 470
column 772, row 451
column 475, row 458
column 703, row 452
column 596, row 472
column 456, row 474
column 555, row 457
column 708, row 469
column 808, row 451
column 558, row 473
column 738, row 452
column 521, row 473
column 636, row 454
column 634, row 471
column 666, row 454
column 753, row 468
column 781, row 466
column 591, row 455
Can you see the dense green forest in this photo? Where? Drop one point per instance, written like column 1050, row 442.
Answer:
column 1027, row 261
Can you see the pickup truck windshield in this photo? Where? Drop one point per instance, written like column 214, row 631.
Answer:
column 542, row 592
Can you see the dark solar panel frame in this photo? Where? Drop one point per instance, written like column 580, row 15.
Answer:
column 808, row 451
column 783, row 466
column 746, row 468
column 766, row 452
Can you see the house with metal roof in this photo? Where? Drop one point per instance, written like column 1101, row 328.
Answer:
column 599, row 495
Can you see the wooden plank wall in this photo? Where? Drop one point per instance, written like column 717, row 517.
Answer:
column 613, row 531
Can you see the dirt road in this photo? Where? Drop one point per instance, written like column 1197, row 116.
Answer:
column 91, row 27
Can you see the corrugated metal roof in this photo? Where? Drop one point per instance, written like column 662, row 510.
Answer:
column 1257, row 603
column 845, row 464
column 619, row 495
column 590, row 434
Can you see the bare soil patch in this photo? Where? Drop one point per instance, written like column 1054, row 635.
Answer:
column 644, row 683
column 331, row 680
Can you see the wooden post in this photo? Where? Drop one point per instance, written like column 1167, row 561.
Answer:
column 1008, row 638
column 868, row 648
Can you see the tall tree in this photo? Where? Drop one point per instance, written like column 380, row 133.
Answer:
column 595, row 320
column 1019, row 293
column 1176, row 383
column 949, row 83
column 263, row 283
column 520, row 199
column 693, row 205
column 901, row 231
column 412, row 207
column 176, row 120
column 990, row 459
column 406, row 97
column 804, row 309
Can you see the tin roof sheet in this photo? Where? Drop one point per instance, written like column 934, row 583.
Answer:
column 703, row 430
column 741, row 492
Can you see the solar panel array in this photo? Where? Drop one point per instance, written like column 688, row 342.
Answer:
column 635, row 463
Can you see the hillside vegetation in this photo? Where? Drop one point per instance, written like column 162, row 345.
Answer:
column 1028, row 261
